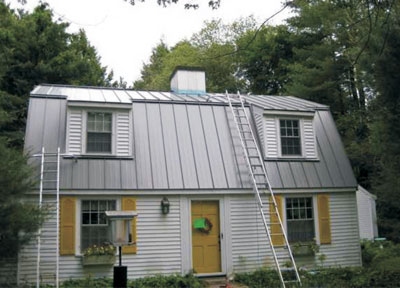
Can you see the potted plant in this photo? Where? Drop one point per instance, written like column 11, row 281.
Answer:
column 305, row 248
column 99, row 255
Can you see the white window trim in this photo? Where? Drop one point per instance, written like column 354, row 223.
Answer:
column 83, row 140
column 113, row 131
column 315, row 214
column 302, row 143
column 78, row 217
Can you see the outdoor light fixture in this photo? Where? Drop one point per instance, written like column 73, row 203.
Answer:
column 120, row 234
column 165, row 206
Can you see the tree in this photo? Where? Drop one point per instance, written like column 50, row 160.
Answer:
column 385, row 128
column 264, row 63
column 214, row 4
column 34, row 50
column 211, row 49
column 19, row 220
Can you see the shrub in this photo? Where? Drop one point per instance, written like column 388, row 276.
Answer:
column 159, row 281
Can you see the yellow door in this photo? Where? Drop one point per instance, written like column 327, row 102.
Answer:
column 206, row 247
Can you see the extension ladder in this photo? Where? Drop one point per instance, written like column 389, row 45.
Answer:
column 263, row 192
column 50, row 185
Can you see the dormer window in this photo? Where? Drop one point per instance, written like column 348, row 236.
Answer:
column 99, row 132
column 290, row 137
column 285, row 136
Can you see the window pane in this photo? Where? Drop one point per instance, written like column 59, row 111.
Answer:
column 99, row 142
column 290, row 137
column 94, row 218
column 94, row 230
column 85, row 218
column 299, row 219
column 85, row 205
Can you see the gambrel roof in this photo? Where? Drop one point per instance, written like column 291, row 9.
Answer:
column 181, row 142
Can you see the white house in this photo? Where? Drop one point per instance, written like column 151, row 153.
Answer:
column 126, row 149
column 366, row 208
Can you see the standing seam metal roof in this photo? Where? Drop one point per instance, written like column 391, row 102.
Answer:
column 182, row 144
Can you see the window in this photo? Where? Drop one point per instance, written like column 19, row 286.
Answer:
column 94, row 222
column 300, row 219
column 290, row 137
column 99, row 132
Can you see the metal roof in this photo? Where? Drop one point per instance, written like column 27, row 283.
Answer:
column 182, row 145
column 114, row 95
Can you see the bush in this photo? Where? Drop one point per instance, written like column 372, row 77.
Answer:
column 350, row 277
column 173, row 281
column 159, row 281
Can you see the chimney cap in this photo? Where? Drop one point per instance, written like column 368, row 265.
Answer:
column 186, row 68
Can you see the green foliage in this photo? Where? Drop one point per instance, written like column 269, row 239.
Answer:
column 100, row 250
column 34, row 49
column 381, row 268
column 211, row 49
column 158, row 281
column 19, row 220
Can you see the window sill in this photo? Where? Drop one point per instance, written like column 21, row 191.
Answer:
column 292, row 159
column 97, row 156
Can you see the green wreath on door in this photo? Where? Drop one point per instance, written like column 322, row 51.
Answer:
column 203, row 225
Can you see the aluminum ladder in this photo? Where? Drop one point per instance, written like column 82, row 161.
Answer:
column 263, row 191
column 50, row 185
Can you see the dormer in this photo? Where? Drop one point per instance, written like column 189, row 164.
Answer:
column 99, row 129
column 287, row 135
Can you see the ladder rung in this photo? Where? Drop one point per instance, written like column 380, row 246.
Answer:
column 50, row 171
column 46, row 162
column 49, row 180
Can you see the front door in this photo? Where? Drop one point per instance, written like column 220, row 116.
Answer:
column 206, row 246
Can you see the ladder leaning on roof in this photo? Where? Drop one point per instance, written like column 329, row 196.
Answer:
column 264, row 194
column 50, row 184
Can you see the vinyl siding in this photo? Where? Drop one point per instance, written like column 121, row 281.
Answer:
column 123, row 134
column 310, row 147
column 250, row 248
column 8, row 272
column 271, row 137
column 159, row 251
column 74, row 130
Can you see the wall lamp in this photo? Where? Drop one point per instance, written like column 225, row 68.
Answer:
column 165, row 206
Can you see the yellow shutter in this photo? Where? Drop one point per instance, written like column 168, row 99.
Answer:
column 129, row 203
column 278, row 240
column 67, row 225
column 324, row 219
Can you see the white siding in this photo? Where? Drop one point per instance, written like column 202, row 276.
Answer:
column 345, row 247
column 259, row 119
column 250, row 248
column 309, row 141
column 366, row 216
column 74, row 131
column 159, row 251
column 122, row 138
column 8, row 272
column 271, row 137
column 123, row 133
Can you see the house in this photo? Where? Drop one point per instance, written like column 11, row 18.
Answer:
column 132, row 149
column 366, row 208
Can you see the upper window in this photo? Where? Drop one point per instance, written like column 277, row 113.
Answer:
column 94, row 222
column 290, row 137
column 99, row 132
column 300, row 219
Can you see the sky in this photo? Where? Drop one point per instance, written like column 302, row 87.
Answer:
column 124, row 35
